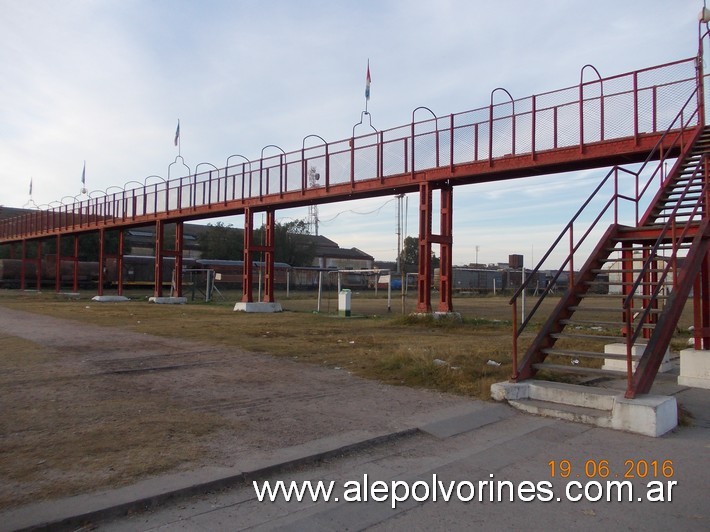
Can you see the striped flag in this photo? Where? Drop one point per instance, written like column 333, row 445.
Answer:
column 177, row 134
column 368, row 80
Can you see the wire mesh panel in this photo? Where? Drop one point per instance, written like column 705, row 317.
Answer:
column 617, row 107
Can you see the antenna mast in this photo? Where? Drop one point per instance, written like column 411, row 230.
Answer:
column 313, row 178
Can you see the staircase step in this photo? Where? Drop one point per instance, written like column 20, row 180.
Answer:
column 578, row 370
column 614, row 324
column 655, row 416
column 614, row 296
column 582, row 354
column 600, row 337
column 578, row 308
column 578, row 414
column 572, row 394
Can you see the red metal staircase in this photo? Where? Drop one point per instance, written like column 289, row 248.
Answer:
column 633, row 287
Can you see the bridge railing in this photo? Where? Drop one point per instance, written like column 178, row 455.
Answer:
column 618, row 189
column 627, row 105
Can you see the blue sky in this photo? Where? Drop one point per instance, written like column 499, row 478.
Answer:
column 106, row 81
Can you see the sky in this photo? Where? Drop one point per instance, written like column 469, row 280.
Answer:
column 105, row 81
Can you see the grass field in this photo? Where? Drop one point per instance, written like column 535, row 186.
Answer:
column 66, row 429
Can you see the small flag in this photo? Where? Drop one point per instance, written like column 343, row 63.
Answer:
column 177, row 133
column 83, row 175
column 30, row 186
column 368, row 80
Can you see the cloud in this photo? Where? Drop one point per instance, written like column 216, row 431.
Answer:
column 106, row 82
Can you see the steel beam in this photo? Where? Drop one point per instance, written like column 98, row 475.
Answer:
column 179, row 240
column 159, row 255
column 269, row 252
column 424, row 260
column 247, row 291
column 446, row 267
column 119, row 262
column 102, row 260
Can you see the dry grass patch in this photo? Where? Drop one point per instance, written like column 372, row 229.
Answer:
column 65, row 426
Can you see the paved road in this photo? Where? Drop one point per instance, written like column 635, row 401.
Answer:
column 511, row 447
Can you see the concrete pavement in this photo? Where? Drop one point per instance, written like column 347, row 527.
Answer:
column 465, row 444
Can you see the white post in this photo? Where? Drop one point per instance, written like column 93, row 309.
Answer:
column 320, row 289
column 259, row 298
column 522, row 282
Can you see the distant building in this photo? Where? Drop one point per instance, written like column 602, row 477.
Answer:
column 330, row 255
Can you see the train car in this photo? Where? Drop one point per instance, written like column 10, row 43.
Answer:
column 231, row 271
column 139, row 270
column 11, row 271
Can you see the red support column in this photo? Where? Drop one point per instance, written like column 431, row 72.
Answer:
column 119, row 262
column 75, row 276
column 102, row 260
column 159, row 254
column 627, row 280
column 446, row 269
column 269, row 249
column 178, row 257
column 424, row 271
column 58, row 265
column 39, row 266
column 705, row 303
column 23, row 268
column 247, row 293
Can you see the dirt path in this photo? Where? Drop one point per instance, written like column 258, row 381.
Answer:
column 85, row 407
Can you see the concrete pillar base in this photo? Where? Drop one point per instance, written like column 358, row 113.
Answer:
column 694, row 368
column 651, row 415
column 257, row 307
column 615, row 364
column 109, row 299
column 168, row 300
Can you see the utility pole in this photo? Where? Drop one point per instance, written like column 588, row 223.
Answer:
column 400, row 248
column 313, row 178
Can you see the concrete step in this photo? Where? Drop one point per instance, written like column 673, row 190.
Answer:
column 578, row 414
column 572, row 394
column 651, row 415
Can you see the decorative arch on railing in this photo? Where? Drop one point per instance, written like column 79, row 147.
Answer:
column 182, row 162
column 202, row 184
column 282, row 167
column 305, row 171
column 491, row 122
column 413, row 137
column 234, row 176
column 584, row 100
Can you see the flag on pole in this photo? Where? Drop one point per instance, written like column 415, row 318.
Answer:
column 368, row 80
column 83, row 175
column 30, row 186
column 177, row 133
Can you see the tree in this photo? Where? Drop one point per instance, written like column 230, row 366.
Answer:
column 88, row 246
column 220, row 241
column 291, row 243
column 410, row 255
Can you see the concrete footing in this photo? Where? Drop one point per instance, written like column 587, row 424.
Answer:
column 257, row 307
column 616, row 364
column 439, row 315
column 694, row 368
column 168, row 300
column 109, row 299
column 651, row 415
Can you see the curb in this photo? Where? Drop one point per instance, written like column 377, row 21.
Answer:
column 82, row 510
